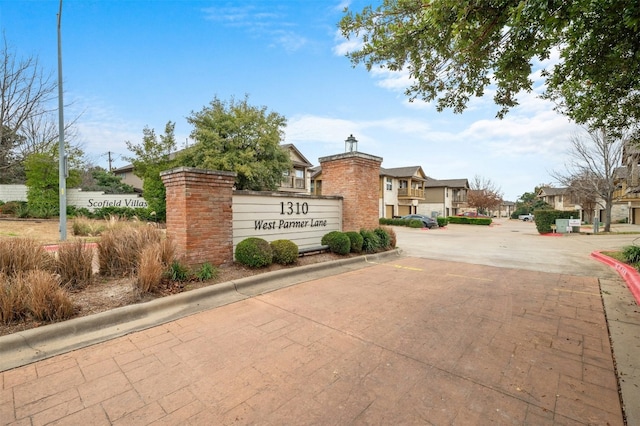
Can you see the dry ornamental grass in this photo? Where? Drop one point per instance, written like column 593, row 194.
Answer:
column 120, row 282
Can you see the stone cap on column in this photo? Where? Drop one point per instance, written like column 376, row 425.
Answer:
column 353, row 154
column 197, row 171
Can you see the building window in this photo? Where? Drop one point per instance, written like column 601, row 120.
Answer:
column 403, row 184
column 300, row 174
column 389, row 184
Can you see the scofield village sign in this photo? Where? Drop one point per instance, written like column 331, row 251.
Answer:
column 303, row 219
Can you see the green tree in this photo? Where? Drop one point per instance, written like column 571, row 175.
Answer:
column 235, row 136
column 455, row 49
column 153, row 156
column 102, row 180
column 529, row 202
column 43, row 196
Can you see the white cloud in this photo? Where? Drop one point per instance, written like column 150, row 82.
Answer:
column 344, row 46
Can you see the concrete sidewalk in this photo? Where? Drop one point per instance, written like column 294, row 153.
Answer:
column 407, row 341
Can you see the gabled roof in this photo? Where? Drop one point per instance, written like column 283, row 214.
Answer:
column 413, row 172
column 298, row 159
column 551, row 191
column 315, row 171
column 621, row 172
column 447, row 183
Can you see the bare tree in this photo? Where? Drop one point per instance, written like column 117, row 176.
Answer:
column 484, row 195
column 590, row 172
column 26, row 92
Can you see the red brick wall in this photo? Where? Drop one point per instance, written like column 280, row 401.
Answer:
column 355, row 176
column 199, row 214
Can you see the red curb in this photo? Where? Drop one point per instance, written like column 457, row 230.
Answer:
column 54, row 247
column 628, row 273
column 552, row 234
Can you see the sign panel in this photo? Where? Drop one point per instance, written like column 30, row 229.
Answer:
column 303, row 219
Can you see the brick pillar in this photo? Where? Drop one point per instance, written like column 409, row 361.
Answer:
column 356, row 177
column 200, row 214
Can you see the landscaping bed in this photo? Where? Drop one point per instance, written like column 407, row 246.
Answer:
column 106, row 293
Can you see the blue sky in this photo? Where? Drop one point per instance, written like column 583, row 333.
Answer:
column 128, row 64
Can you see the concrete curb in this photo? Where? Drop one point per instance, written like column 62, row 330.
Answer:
column 628, row 273
column 36, row 344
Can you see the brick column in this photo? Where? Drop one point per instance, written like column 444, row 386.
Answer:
column 200, row 214
column 356, row 177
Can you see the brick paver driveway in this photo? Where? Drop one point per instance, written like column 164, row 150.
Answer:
column 409, row 341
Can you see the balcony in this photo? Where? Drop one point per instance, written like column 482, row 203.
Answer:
column 292, row 182
column 410, row 193
column 459, row 200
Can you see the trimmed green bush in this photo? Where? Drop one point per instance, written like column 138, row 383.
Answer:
column 392, row 237
column 384, row 238
column 356, row 241
column 285, row 252
column 371, row 242
column 254, row 252
column 442, row 221
column 470, row 220
column 337, row 241
column 545, row 218
column 412, row 223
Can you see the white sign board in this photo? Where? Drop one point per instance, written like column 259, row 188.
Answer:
column 574, row 222
column 303, row 219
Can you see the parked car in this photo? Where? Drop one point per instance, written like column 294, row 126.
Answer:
column 427, row 221
column 526, row 217
column 472, row 214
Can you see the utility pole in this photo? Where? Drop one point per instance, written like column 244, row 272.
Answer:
column 62, row 169
column 109, row 156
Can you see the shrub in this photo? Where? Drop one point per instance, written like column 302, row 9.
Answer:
column 470, row 220
column 74, row 264
column 393, row 239
column 23, row 254
column 370, row 241
column 285, row 252
column 13, row 302
column 85, row 227
column 631, row 254
column 11, row 207
column 143, row 214
column 23, row 211
column 121, row 244
column 337, row 241
column 150, row 269
column 178, row 271
column 383, row 237
column 356, row 241
column 546, row 218
column 206, row 272
column 167, row 251
column 442, row 221
column 46, row 300
column 73, row 211
column 254, row 252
